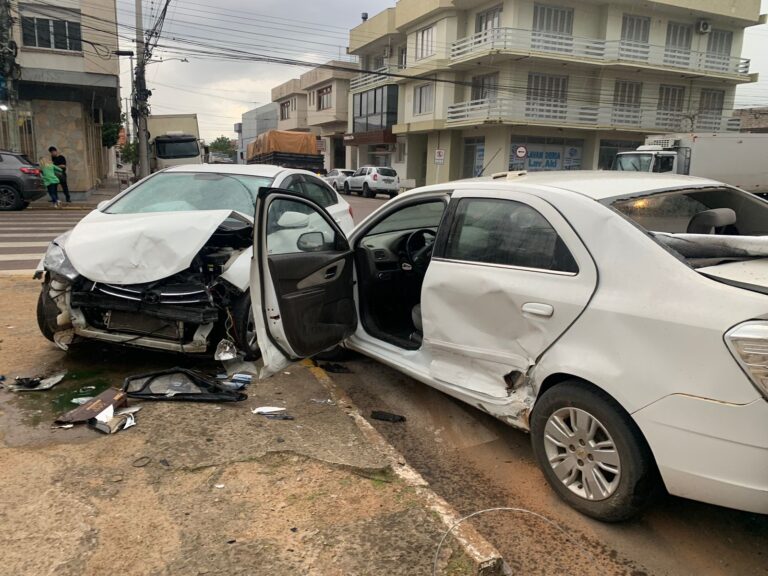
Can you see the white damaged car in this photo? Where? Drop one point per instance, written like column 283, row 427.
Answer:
column 165, row 264
column 622, row 319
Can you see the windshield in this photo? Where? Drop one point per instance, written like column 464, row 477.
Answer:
column 169, row 149
column 633, row 162
column 184, row 191
column 386, row 172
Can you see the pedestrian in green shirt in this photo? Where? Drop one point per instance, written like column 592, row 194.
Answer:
column 50, row 173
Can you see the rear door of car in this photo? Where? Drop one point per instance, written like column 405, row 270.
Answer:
column 302, row 279
column 508, row 276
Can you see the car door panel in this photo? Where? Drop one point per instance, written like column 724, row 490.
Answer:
column 483, row 323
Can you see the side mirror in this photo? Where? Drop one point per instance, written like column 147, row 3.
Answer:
column 293, row 220
column 311, row 242
column 101, row 205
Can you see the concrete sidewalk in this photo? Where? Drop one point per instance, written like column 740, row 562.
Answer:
column 206, row 488
column 107, row 190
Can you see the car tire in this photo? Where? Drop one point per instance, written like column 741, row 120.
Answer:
column 47, row 311
column 10, row 198
column 568, row 422
column 244, row 330
column 335, row 186
column 346, row 188
column 392, row 195
column 367, row 191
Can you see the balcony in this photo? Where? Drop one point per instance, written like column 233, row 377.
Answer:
column 372, row 79
column 594, row 117
column 594, row 50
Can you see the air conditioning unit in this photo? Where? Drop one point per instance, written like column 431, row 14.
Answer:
column 386, row 51
column 704, row 27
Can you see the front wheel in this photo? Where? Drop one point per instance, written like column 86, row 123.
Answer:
column 592, row 453
column 346, row 188
column 47, row 312
column 244, row 328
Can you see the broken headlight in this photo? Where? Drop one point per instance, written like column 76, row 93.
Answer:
column 748, row 343
column 56, row 261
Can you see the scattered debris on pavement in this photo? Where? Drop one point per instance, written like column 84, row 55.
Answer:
column 387, row 416
column 179, row 384
column 36, row 384
column 81, row 400
column 225, row 350
column 326, row 401
column 94, row 407
column 110, row 420
column 267, row 410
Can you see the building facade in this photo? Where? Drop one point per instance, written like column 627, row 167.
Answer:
column 483, row 87
column 69, row 83
column 752, row 119
column 317, row 102
column 254, row 122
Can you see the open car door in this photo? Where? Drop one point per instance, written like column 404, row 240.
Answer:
column 301, row 280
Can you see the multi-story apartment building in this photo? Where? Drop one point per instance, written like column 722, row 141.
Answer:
column 69, row 85
column 317, row 102
column 555, row 84
column 254, row 122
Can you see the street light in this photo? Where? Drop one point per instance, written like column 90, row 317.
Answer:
column 167, row 60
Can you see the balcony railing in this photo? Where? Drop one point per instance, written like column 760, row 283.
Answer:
column 516, row 40
column 372, row 79
column 556, row 112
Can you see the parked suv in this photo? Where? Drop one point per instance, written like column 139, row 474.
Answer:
column 20, row 181
column 372, row 180
column 337, row 177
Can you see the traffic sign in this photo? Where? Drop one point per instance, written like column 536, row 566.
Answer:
column 521, row 152
column 439, row 156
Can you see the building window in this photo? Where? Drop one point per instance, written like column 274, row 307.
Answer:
column 547, row 96
column 626, row 102
column 553, row 19
column 312, row 98
column 324, row 98
column 485, row 87
column 293, row 103
column 285, row 110
column 425, row 43
column 711, row 104
column 424, row 99
column 670, row 108
column 49, row 33
column 719, row 50
column 474, row 157
column 402, row 151
column 677, row 50
column 635, row 28
column 488, row 20
column 374, row 109
column 402, row 57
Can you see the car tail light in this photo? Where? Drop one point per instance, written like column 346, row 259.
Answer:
column 748, row 342
column 375, row 176
column 33, row 171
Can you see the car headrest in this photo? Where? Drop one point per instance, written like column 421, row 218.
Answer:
column 707, row 221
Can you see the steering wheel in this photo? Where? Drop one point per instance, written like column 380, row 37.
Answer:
column 418, row 249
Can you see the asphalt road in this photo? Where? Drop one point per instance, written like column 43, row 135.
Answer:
column 476, row 462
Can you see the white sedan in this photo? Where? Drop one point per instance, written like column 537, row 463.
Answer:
column 337, row 177
column 622, row 319
column 165, row 264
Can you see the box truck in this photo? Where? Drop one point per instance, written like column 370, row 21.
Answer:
column 736, row 158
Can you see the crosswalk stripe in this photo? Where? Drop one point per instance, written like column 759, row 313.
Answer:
column 23, row 244
column 25, row 235
column 21, row 273
column 20, row 257
column 42, row 230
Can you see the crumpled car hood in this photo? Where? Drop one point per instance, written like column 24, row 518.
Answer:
column 138, row 248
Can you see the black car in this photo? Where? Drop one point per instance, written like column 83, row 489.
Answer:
column 20, row 181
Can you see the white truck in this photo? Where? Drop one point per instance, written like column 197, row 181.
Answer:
column 174, row 139
column 736, row 158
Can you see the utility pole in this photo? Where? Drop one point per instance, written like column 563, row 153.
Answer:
column 141, row 95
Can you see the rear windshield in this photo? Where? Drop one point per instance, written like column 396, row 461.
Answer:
column 347, row 172
column 386, row 171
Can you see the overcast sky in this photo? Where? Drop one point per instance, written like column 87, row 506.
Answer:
column 219, row 92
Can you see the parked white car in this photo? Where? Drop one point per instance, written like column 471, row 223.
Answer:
column 166, row 264
column 622, row 319
column 337, row 177
column 372, row 180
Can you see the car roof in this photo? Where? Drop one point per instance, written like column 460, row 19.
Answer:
column 265, row 170
column 595, row 184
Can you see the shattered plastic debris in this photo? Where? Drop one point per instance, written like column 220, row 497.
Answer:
column 82, row 400
column 219, row 486
column 110, row 420
column 387, row 416
column 94, row 406
column 225, row 350
column 63, row 338
column 37, row 384
column 327, row 401
column 267, row 410
column 62, row 426
column 181, row 385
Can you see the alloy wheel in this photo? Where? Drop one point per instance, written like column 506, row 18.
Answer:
column 582, row 453
column 7, row 198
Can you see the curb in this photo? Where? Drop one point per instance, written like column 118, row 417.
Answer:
column 487, row 560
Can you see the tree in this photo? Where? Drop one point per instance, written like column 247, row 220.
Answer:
column 110, row 132
column 222, row 145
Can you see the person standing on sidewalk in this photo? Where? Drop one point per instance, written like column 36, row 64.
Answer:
column 50, row 180
column 59, row 160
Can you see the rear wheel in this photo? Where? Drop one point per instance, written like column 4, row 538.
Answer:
column 346, row 188
column 244, row 329
column 367, row 191
column 10, row 198
column 592, row 453
column 335, row 186
column 392, row 194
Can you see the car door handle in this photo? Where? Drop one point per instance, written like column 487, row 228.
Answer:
column 538, row 309
column 331, row 272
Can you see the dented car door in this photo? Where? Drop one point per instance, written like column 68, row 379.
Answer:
column 508, row 277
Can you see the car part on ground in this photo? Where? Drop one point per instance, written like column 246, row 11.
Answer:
column 179, row 384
